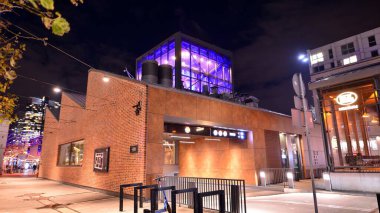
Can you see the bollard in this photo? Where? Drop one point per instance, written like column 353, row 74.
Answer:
column 378, row 200
column 263, row 179
column 327, row 181
column 290, row 177
column 235, row 194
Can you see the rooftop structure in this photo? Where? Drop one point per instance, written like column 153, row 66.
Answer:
column 197, row 66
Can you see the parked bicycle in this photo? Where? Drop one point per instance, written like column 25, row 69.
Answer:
column 167, row 207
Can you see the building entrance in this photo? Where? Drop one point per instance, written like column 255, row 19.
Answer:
column 351, row 117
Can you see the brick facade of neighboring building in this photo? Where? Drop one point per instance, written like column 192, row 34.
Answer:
column 108, row 119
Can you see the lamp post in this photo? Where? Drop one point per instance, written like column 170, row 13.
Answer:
column 299, row 89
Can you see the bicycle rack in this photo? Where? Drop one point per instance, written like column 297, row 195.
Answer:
column 154, row 196
column 222, row 201
column 378, row 200
column 121, row 194
column 135, row 208
column 190, row 190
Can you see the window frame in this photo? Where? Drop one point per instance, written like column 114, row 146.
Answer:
column 371, row 42
column 374, row 53
column 331, row 54
column 346, row 48
column 70, row 153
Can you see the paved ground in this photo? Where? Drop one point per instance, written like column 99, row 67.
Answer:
column 37, row 195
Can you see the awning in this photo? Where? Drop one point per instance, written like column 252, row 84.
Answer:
column 345, row 77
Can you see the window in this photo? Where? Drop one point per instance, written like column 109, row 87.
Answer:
column 332, row 64
column 350, row 60
column 331, row 54
column 374, row 53
column 372, row 41
column 319, row 68
column 71, row 154
column 348, row 48
column 316, row 58
column 170, row 152
column 203, row 69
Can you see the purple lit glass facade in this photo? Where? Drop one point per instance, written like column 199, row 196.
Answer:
column 164, row 54
column 200, row 66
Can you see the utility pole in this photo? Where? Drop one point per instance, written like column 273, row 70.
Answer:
column 299, row 88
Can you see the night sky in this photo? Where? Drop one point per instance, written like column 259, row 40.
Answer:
column 265, row 36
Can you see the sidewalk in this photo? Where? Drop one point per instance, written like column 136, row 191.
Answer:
column 43, row 196
column 32, row 195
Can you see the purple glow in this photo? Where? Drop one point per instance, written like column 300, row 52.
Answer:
column 200, row 67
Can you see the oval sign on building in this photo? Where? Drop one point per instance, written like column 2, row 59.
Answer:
column 346, row 98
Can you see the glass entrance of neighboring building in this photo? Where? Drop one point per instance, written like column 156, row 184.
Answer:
column 351, row 117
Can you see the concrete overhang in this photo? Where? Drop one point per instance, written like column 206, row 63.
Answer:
column 345, row 77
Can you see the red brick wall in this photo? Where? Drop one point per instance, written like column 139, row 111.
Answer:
column 212, row 161
column 108, row 120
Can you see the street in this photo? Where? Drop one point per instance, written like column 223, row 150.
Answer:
column 39, row 195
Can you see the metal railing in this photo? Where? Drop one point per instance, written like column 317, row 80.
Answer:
column 207, row 185
column 357, row 169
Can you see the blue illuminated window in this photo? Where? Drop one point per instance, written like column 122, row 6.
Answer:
column 200, row 67
column 204, row 68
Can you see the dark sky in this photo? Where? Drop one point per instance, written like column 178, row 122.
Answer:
column 265, row 36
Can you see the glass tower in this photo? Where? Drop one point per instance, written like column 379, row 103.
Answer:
column 197, row 65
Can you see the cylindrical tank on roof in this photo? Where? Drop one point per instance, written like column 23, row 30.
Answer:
column 165, row 75
column 150, row 71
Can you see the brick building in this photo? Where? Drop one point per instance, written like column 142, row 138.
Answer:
column 163, row 138
column 180, row 117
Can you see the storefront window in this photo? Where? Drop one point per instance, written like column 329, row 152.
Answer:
column 170, row 152
column 71, row 154
column 351, row 117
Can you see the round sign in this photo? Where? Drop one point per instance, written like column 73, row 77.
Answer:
column 346, row 98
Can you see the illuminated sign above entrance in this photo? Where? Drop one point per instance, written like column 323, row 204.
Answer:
column 346, row 98
column 205, row 131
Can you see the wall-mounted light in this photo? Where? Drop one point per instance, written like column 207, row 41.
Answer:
column 138, row 108
column 187, row 130
column 57, row 89
column 212, row 139
column 180, row 137
column 187, row 142
column 106, row 79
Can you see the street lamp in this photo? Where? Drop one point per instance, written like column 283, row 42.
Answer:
column 303, row 58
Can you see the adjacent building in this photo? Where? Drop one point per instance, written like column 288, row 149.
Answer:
column 345, row 84
column 125, row 130
column 4, row 127
column 24, row 141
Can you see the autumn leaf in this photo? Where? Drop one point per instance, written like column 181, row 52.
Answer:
column 47, row 22
column 60, row 26
column 47, row 4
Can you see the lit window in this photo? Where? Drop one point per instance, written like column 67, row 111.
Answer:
column 71, row 154
column 350, row 60
column 316, row 58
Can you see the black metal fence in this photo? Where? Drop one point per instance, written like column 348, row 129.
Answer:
column 231, row 187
